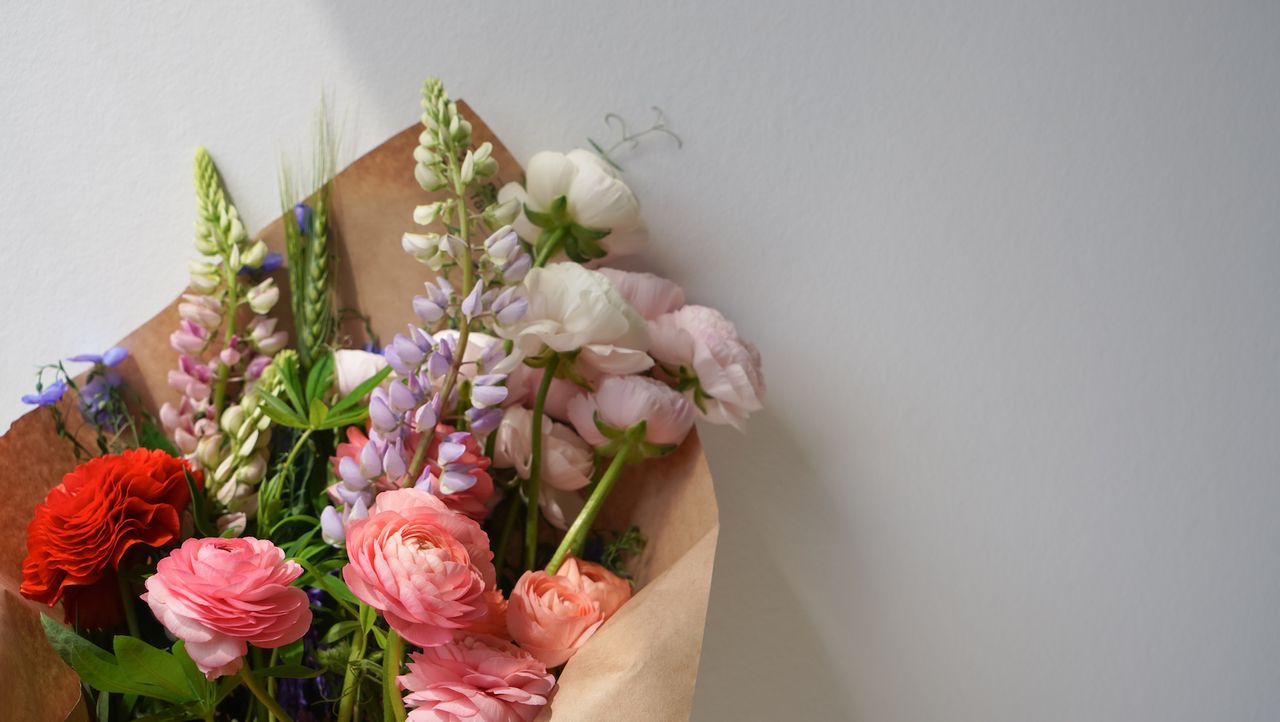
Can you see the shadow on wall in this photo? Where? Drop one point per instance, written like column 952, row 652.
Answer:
column 766, row 652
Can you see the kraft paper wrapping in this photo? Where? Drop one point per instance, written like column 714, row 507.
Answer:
column 643, row 662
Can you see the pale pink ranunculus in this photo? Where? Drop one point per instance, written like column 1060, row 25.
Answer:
column 522, row 387
column 475, row 679
column 560, row 508
column 353, row 367
column 573, row 309
column 567, row 460
column 423, row 566
column 621, row 402
column 700, row 341
column 650, row 295
column 551, row 617
column 220, row 595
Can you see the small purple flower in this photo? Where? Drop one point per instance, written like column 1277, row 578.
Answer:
column 47, row 396
column 109, row 358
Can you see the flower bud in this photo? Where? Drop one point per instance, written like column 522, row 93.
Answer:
column 427, row 214
column 233, row 419
column 468, row 171
column 207, row 449
column 501, row 214
column 252, row 472
column 255, row 256
column 262, row 297
column 428, row 178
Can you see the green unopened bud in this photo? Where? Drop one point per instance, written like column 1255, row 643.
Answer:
column 233, row 419
column 235, row 233
column 426, row 215
column 424, row 154
column 468, row 171
column 252, row 472
column 256, row 255
column 502, row 214
column 428, row 178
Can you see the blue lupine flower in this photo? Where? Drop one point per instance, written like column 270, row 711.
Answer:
column 47, row 396
column 111, row 357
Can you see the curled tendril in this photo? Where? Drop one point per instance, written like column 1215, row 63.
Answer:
column 632, row 140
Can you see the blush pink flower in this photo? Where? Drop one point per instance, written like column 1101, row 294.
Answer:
column 423, row 566
column 621, row 402
column 650, row 295
column 220, row 595
column 475, row 679
column 522, row 387
column 551, row 617
column 719, row 371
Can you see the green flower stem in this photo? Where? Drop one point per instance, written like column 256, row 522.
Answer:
column 550, row 246
column 350, row 680
column 587, row 516
column 508, row 523
column 468, row 280
column 130, row 613
column 534, row 484
column 272, row 706
column 392, row 659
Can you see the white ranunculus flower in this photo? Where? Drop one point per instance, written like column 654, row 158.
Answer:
column 572, row 308
column 567, row 460
column 353, row 367
column 597, row 198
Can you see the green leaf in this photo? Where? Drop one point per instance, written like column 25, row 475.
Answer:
column 320, row 378
column 155, row 666
column 281, row 413
column 316, row 414
column 151, row 437
column 100, row 670
column 538, row 218
column 199, row 517
column 358, row 393
column 341, row 630
column 292, row 384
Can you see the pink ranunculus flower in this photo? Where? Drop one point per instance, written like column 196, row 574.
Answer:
column 696, row 343
column 219, row 595
column 423, row 566
column 475, row 679
column 621, row 402
column 552, row 616
column 651, row 296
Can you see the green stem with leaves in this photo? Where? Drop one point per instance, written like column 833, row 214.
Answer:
column 534, row 485
column 273, row 707
column 582, row 525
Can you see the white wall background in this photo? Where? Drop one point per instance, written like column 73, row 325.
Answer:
column 1015, row 272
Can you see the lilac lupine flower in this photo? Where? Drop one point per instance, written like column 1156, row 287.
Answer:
column 47, row 396
column 483, row 421
column 455, row 476
column 510, row 306
column 432, row 307
column 333, row 523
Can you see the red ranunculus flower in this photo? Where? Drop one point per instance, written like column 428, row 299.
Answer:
column 87, row 523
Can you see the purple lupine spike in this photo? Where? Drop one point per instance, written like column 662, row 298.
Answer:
column 409, row 353
column 352, row 475
column 455, row 482
column 514, row 270
column 486, row 396
column 450, row 452
column 425, row 418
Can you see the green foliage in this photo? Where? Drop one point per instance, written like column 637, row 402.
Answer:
column 626, row 545
column 137, row 668
column 302, row 402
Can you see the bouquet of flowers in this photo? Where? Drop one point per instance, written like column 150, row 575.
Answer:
column 502, row 513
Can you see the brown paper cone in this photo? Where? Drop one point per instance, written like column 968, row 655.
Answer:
column 643, row 662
